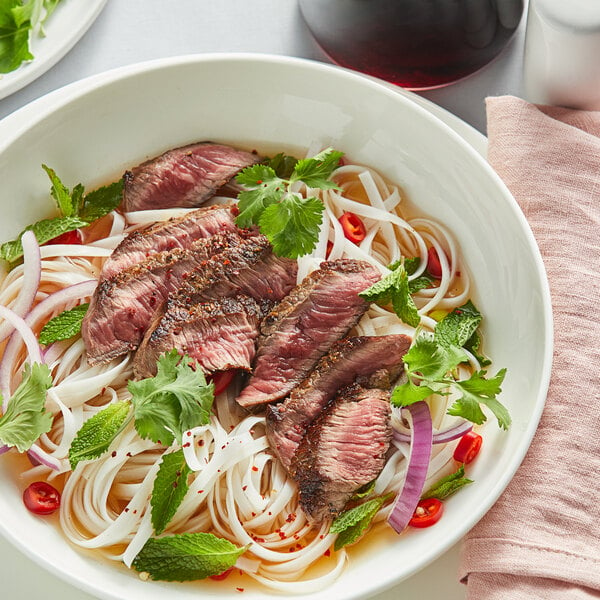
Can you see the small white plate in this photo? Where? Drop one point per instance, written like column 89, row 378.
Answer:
column 68, row 23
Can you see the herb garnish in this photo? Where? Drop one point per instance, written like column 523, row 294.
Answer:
column 448, row 485
column 26, row 418
column 186, row 556
column 353, row 523
column 164, row 407
column 290, row 222
column 76, row 210
column 64, row 325
column 395, row 288
column 20, row 20
column 170, row 488
column 431, row 364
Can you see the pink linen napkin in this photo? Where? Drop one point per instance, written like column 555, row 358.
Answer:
column 542, row 538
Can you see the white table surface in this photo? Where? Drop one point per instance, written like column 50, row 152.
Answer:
column 130, row 31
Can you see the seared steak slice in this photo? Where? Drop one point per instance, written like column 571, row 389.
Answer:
column 180, row 232
column 122, row 307
column 183, row 177
column 220, row 335
column 302, row 328
column 363, row 358
column 249, row 268
column 343, row 449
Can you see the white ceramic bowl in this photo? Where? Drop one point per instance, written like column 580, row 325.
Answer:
column 276, row 102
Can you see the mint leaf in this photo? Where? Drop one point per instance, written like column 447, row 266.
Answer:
column 44, row 230
column 14, row 36
column 316, row 171
column 101, row 201
column 395, row 288
column 186, row 557
column 68, row 202
column 457, row 327
column 478, row 390
column 170, row 488
column 175, row 400
column 292, row 225
column 64, row 326
column 26, row 418
column 447, row 485
column 98, row 433
column 353, row 523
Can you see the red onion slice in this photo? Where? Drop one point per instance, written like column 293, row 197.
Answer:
column 46, row 307
column 406, row 502
column 441, row 437
column 37, row 456
column 32, row 271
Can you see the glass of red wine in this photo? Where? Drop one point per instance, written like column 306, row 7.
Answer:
column 417, row 44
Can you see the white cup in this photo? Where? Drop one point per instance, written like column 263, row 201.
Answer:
column 562, row 53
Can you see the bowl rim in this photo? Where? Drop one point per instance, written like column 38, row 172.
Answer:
column 49, row 104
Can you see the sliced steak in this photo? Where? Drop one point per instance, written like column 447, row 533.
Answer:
column 343, row 449
column 183, row 177
column 123, row 306
column 364, row 358
column 302, row 328
column 180, row 232
column 220, row 335
column 250, row 268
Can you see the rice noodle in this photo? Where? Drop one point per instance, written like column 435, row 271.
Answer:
column 237, row 489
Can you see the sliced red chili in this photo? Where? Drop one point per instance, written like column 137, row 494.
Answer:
column 222, row 379
column 222, row 575
column 427, row 513
column 354, row 228
column 468, row 447
column 329, row 249
column 434, row 266
column 41, row 498
column 69, row 237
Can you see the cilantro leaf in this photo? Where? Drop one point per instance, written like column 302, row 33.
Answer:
column 26, row 418
column 316, row 171
column 64, row 325
column 175, row 400
column 14, row 36
column 448, row 485
column 478, row 390
column 431, row 359
column 395, row 288
column 186, row 557
column 44, row 230
column 170, row 488
column 98, row 433
column 292, row 225
column 353, row 523
column 265, row 188
column 458, row 326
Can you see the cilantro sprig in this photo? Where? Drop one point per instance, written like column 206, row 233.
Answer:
column 26, row 418
column 290, row 222
column 163, row 408
column 19, row 21
column 76, row 209
column 431, row 365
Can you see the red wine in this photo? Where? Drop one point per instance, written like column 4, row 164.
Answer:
column 417, row 44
